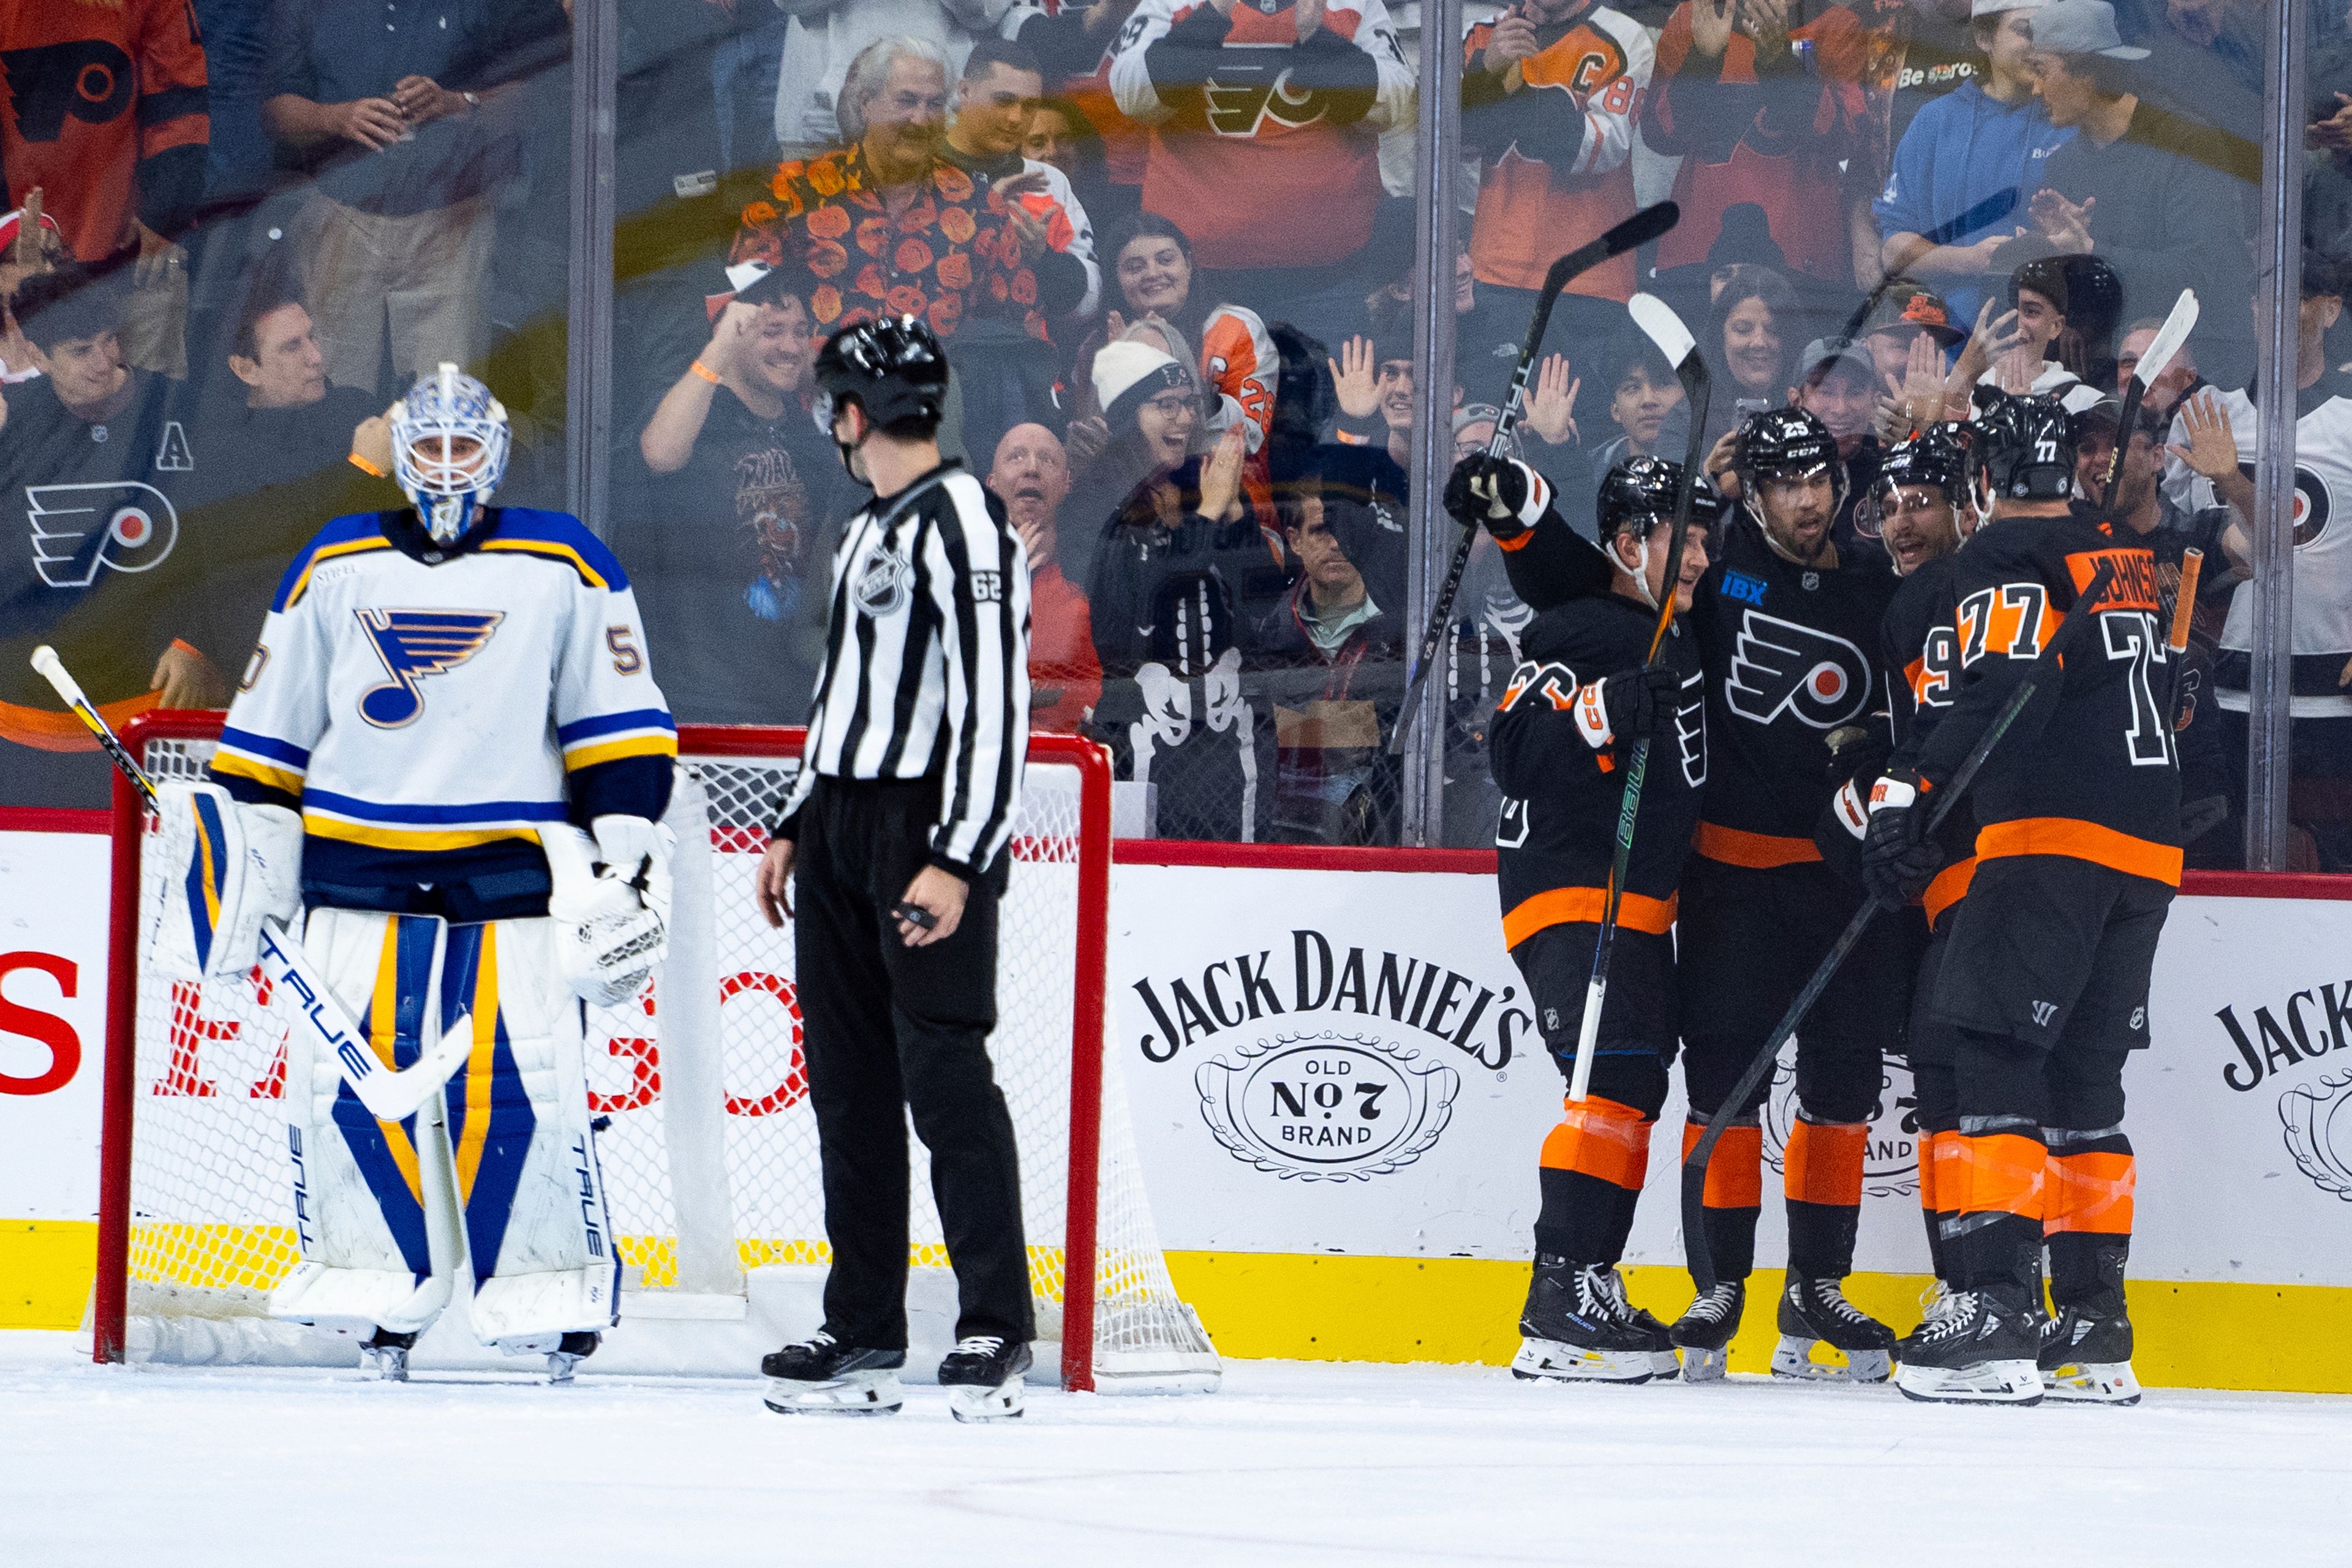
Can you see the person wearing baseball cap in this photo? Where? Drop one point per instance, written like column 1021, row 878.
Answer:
column 2164, row 200
column 1903, row 314
column 1973, row 158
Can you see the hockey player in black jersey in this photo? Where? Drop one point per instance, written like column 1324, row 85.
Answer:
column 1925, row 504
column 2045, row 973
column 1583, row 693
column 1790, row 633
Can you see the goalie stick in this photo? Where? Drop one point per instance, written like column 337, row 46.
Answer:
column 2166, row 342
column 1665, row 330
column 1695, row 1245
column 388, row 1094
column 1638, row 230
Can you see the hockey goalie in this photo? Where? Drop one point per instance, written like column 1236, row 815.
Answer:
column 445, row 769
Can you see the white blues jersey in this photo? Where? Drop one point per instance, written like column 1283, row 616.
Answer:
column 927, row 662
column 428, row 709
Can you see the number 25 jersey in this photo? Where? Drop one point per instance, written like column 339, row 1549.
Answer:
column 429, row 708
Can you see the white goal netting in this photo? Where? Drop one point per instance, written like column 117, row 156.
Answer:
column 708, row 1144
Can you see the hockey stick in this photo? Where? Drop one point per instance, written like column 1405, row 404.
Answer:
column 1638, row 230
column 2161, row 350
column 2176, row 643
column 388, row 1095
column 1665, row 328
column 1695, row 1245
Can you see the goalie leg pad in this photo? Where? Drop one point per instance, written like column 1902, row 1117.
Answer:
column 375, row 1214
column 536, row 1227
column 232, row 866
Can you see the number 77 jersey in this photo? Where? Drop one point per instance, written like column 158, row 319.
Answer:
column 2088, row 771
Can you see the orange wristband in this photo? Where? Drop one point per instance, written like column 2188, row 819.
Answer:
column 705, row 371
column 363, row 466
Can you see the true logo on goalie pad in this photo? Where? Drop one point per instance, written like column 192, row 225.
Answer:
column 413, row 644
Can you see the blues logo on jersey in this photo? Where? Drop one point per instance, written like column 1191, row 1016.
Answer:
column 413, row 644
column 1781, row 665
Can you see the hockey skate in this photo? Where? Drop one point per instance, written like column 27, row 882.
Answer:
column 2086, row 1358
column 1704, row 1331
column 1976, row 1348
column 1816, row 1312
column 1580, row 1328
column 566, row 1357
column 386, row 1353
column 982, row 1377
column 821, row 1376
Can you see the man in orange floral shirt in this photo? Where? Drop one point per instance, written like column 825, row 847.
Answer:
column 887, row 225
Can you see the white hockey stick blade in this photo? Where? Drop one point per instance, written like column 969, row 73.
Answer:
column 1662, row 326
column 389, row 1096
column 2168, row 339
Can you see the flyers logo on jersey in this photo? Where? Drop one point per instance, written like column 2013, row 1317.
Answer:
column 1243, row 108
column 413, row 644
column 1781, row 667
column 76, row 529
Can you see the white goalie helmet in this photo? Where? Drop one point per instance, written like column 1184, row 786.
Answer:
column 449, row 441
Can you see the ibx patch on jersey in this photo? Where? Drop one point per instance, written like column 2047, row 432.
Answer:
column 413, row 644
column 1739, row 585
column 1779, row 665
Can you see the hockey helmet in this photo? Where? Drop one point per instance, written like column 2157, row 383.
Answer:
column 2026, row 444
column 1785, row 444
column 1640, row 489
column 448, row 483
column 893, row 369
column 1938, row 456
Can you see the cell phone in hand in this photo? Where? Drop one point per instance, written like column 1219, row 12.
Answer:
column 914, row 914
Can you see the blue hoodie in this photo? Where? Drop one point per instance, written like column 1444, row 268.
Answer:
column 1960, row 149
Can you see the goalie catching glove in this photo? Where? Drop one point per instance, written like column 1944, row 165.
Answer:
column 613, row 895
column 232, row 867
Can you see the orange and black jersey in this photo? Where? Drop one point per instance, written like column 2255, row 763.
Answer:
column 1558, row 831
column 1789, row 657
column 1922, row 662
column 2088, row 769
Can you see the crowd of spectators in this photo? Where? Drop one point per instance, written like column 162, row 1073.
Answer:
column 1169, row 244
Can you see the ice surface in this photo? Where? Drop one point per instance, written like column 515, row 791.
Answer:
column 1293, row 1463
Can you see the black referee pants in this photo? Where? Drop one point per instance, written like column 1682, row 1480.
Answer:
column 884, row 1026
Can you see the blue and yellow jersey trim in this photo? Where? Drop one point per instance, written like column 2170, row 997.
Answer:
column 387, row 825
column 354, row 535
column 557, row 536
column 609, row 737
column 266, row 760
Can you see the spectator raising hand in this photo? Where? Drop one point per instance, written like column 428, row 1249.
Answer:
column 2212, row 453
column 1551, row 406
column 1221, row 476
column 1352, row 377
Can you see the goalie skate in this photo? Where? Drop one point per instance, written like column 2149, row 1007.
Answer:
column 819, row 1376
column 1815, row 1312
column 982, row 1377
column 1580, row 1328
column 387, row 1354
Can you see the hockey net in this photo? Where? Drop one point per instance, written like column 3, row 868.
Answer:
column 709, row 1156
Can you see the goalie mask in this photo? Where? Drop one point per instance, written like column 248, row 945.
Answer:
column 449, row 441
column 893, row 370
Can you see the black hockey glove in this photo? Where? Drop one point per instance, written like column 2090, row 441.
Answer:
column 1641, row 702
column 1858, row 755
column 1490, row 493
column 1898, row 860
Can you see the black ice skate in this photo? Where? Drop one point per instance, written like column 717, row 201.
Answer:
column 1704, row 1331
column 565, row 1358
column 982, row 1377
column 1816, row 1312
column 2086, row 1357
column 821, row 1376
column 1977, row 1347
column 1580, row 1328
column 386, row 1353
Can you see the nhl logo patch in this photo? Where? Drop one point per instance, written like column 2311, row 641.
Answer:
column 879, row 588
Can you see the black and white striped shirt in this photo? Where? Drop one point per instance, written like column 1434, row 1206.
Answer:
column 927, row 663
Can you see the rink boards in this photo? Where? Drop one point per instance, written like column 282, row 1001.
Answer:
column 1338, row 1092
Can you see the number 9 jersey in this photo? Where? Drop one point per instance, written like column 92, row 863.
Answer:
column 427, row 708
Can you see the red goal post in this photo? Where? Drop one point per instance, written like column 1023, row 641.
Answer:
column 718, row 1186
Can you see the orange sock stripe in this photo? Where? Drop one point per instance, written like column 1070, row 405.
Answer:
column 1823, row 1163
column 2000, row 1173
column 2089, row 1192
column 1599, row 1139
column 1735, row 1172
column 1950, row 1183
column 1927, row 1151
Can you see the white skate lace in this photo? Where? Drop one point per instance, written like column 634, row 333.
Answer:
column 1714, row 1307
column 1932, row 1299
column 1831, row 1293
column 979, row 1345
column 1951, row 1315
column 1600, row 1294
column 818, row 1342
